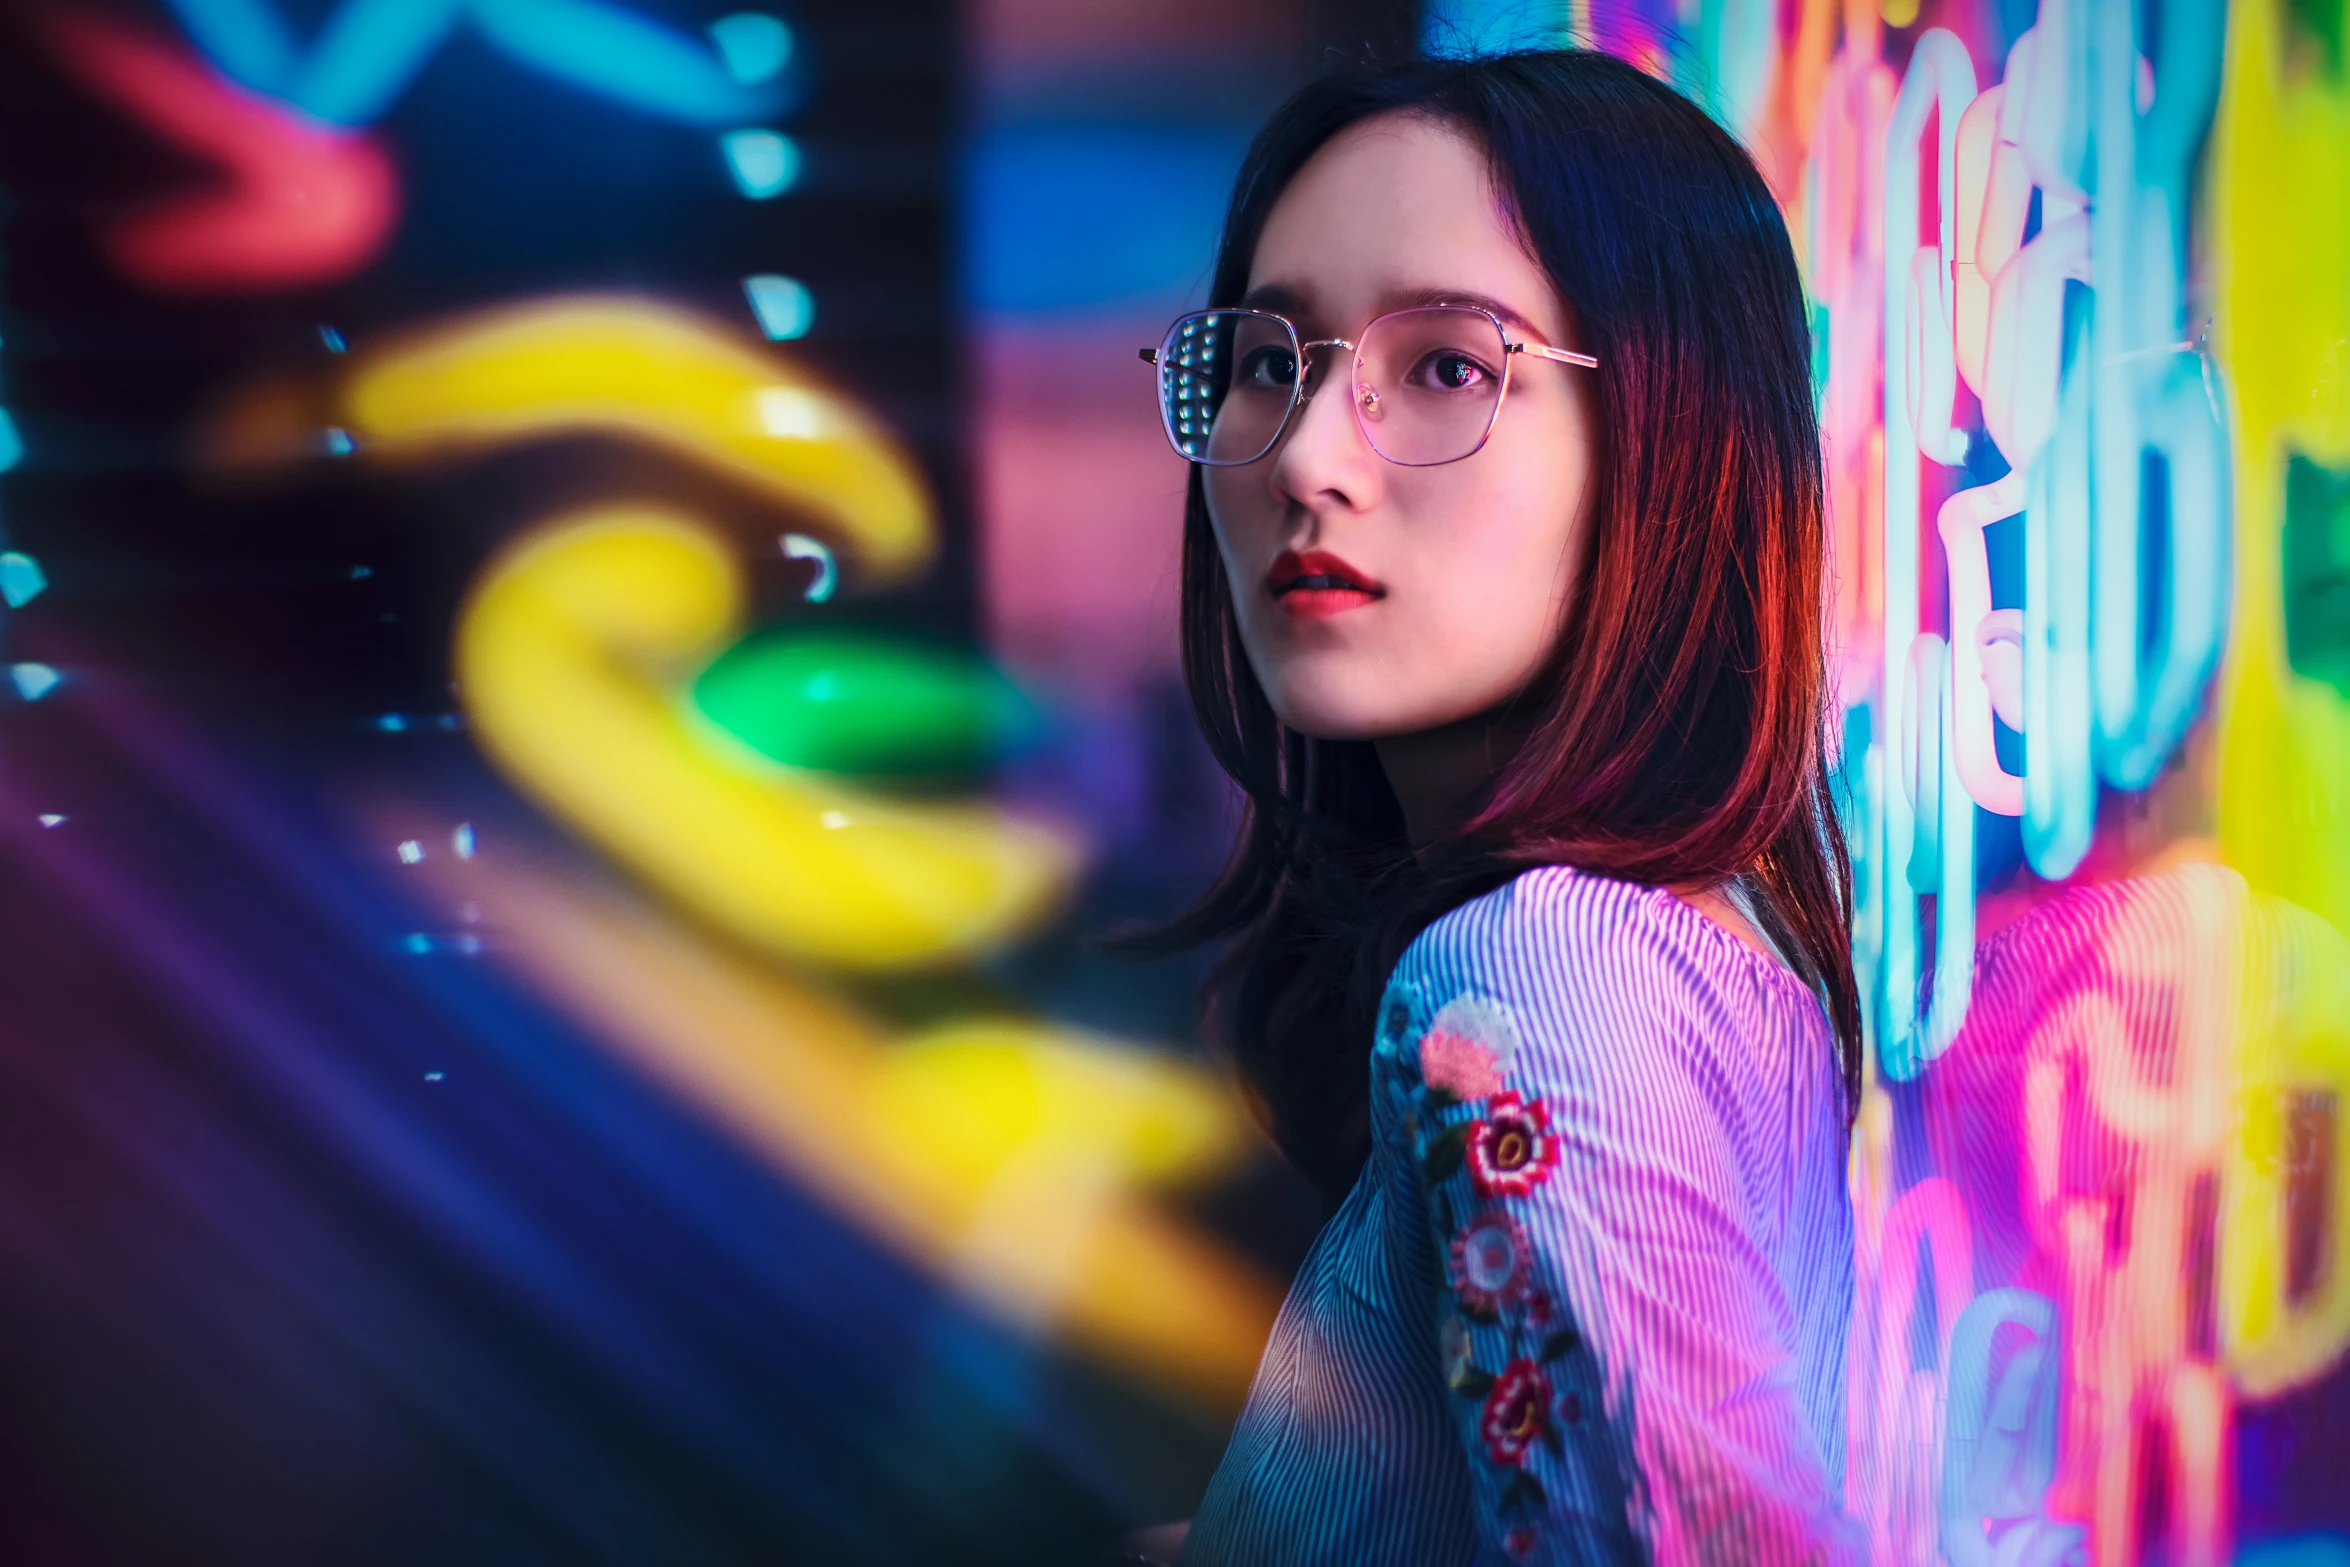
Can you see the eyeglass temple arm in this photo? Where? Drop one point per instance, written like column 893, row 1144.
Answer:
column 1565, row 356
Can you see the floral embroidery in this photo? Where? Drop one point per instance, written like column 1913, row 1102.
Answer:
column 1397, row 1010
column 1491, row 1264
column 1458, row 1065
column 1516, row 1413
column 1482, row 1022
column 1452, row 1345
column 1512, row 1150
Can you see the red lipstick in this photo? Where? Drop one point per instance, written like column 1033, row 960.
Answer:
column 1317, row 585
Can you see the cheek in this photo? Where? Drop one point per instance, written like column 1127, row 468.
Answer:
column 1240, row 516
column 1512, row 538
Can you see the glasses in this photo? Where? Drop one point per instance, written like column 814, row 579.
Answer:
column 1428, row 382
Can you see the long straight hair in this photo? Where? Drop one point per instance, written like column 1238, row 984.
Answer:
column 1676, row 734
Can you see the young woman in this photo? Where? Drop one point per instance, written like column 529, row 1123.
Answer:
column 1502, row 602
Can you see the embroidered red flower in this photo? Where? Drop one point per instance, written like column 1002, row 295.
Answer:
column 1512, row 1150
column 1519, row 1542
column 1517, row 1411
column 1490, row 1264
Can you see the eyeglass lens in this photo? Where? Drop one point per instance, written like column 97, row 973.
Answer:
column 1426, row 384
column 1227, row 379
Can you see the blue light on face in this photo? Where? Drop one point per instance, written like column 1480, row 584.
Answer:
column 784, row 306
column 755, row 46
column 764, row 163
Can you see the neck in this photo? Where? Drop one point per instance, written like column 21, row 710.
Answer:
column 1442, row 776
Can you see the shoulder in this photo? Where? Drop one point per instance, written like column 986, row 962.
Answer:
column 1563, row 934
column 1583, row 983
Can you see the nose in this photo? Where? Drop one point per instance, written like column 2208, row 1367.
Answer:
column 1323, row 463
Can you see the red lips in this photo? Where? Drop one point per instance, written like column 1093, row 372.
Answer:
column 1319, row 584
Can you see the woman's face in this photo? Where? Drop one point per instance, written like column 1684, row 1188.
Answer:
column 1462, row 570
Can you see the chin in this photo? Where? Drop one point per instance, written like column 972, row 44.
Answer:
column 1322, row 713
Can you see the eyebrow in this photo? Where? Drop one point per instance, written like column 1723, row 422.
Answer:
column 1289, row 302
column 1428, row 297
column 1274, row 297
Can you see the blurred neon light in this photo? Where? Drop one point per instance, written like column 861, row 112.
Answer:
column 2013, row 351
column 21, row 579
column 2007, row 343
column 799, row 546
column 1999, row 1436
column 841, row 703
column 303, row 203
column 1895, row 1407
column 2280, row 150
column 624, row 57
column 1844, row 182
column 2158, row 445
column 368, row 52
column 2292, row 1081
column 784, row 307
column 571, row 647
column 764, row 163
column 1009, row 1154
column 1005, row 1152
column 2310, row 1551
column 755, row 46
column 2060, row 779
column 11, row 443
column 1961, row 523
column 563, row 658
column 1920, row 383
column 34, row 681
column 2185, row 1048
column 618, row 366
column 2172, row 1025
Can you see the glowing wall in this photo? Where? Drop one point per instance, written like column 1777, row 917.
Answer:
column 2080, row 275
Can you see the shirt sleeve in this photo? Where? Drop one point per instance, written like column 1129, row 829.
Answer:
column 1617, row 1346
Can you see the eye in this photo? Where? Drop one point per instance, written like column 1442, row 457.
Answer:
column 1268, row 369
column 1449, row 370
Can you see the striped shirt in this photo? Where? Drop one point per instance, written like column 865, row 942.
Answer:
column 1587, row 1301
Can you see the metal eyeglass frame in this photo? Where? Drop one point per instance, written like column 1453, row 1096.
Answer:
column 1299, row 395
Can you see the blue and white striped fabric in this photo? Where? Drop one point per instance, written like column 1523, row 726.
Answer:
column 1588, row 1300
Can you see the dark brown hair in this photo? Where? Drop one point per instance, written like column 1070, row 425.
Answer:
column 1677, row 734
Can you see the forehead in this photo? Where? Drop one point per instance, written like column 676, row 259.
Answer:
column 1392, row 209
